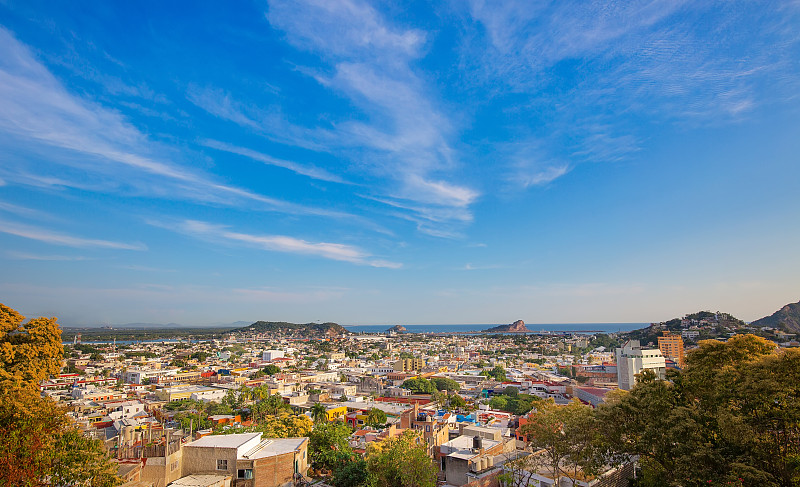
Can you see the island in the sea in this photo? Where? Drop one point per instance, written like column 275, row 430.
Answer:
column 397, row 329
column 516, row 327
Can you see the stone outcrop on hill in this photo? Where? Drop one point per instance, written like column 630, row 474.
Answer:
column 516, row 327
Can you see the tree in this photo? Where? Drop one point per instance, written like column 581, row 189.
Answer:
column 328, row 445
column 376, row 418
column 498, row 373
column 566, row 436
column 29, row 353
column 401, row 462
column 455, row 401
column 353, row 473
column 418, row 385
column 445, row 384
column 319, row 413
column 41, row 445
column 199, row 356
column 519, row 466
column 271, row 369
column 732, row 415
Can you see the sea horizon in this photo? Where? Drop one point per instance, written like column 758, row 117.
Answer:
column 532, row 327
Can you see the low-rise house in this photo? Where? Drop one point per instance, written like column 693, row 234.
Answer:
column 250, row 459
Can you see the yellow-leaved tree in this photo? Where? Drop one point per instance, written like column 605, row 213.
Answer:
column 41, row 446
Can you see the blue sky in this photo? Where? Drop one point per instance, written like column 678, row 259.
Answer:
column 462, row 162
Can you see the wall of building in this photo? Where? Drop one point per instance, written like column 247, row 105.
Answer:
column 197, row 460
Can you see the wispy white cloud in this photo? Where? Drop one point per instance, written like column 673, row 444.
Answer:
column 405, row 137
column 303, row 170
column 143, row 268
column 270, row 123
column 472, row 267
column 54, row 238
column 35, row 106
column 22, row 210
column 276, row 243
column 538, row 177
column 595, row 68
column 28, row 256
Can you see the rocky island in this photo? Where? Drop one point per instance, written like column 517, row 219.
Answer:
column 516, row 327
column 397, row 329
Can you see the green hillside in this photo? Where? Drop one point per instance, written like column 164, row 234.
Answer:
column 299, row 329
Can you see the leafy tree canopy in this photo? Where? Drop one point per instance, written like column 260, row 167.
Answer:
column 445, row 384
column 418, row 385
column 41, row 445
column 328, row 442
column 401, row 461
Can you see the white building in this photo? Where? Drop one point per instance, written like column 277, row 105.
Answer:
column 139, row 376
column 270, row 355
column 632, row 359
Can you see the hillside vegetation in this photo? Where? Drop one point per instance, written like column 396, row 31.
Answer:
column 786, row 319
column 285, row 328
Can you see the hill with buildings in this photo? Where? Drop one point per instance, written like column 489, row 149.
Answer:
column 786, row 319
column 285, row 328
column 694, row 326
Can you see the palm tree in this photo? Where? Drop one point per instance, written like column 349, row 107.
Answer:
column 319, row 413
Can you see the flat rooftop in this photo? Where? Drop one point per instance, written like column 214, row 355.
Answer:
column 224, row 441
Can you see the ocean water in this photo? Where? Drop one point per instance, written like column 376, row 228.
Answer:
column 533, row 327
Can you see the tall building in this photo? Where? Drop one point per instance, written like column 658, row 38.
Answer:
column 269, row 355
column 409, row 364
column 671, row 346
column 632, row 359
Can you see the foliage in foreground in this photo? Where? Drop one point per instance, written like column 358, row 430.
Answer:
column 41, row 445
column 732, row 416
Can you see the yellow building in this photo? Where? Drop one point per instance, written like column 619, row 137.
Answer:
column 671, row 346
column 335, row 413
column 409, row 364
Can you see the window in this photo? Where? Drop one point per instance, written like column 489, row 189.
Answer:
column 244, row 473
column 222, row 465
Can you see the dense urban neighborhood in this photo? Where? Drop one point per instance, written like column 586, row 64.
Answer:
column 282, row 404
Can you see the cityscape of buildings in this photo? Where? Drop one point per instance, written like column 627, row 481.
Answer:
column 153, row 403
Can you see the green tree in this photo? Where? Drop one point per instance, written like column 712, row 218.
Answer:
column 199, row 356
column 401, row 462
column 353, row 473
column 376, row 418
column 566, row 435
column 445, row 384
column 418, row 385
column 271, row 369
column 328, row 445
column 319, row 413
column 732, row 415
column 498, row 373
column 455, row 401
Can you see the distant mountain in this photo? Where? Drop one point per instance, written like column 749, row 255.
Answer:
column 144, row 326
column 301, row 329
column 517, row 326
column 397, row 329
column 786, row 318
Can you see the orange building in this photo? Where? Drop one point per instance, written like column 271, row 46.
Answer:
column 671, row 346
